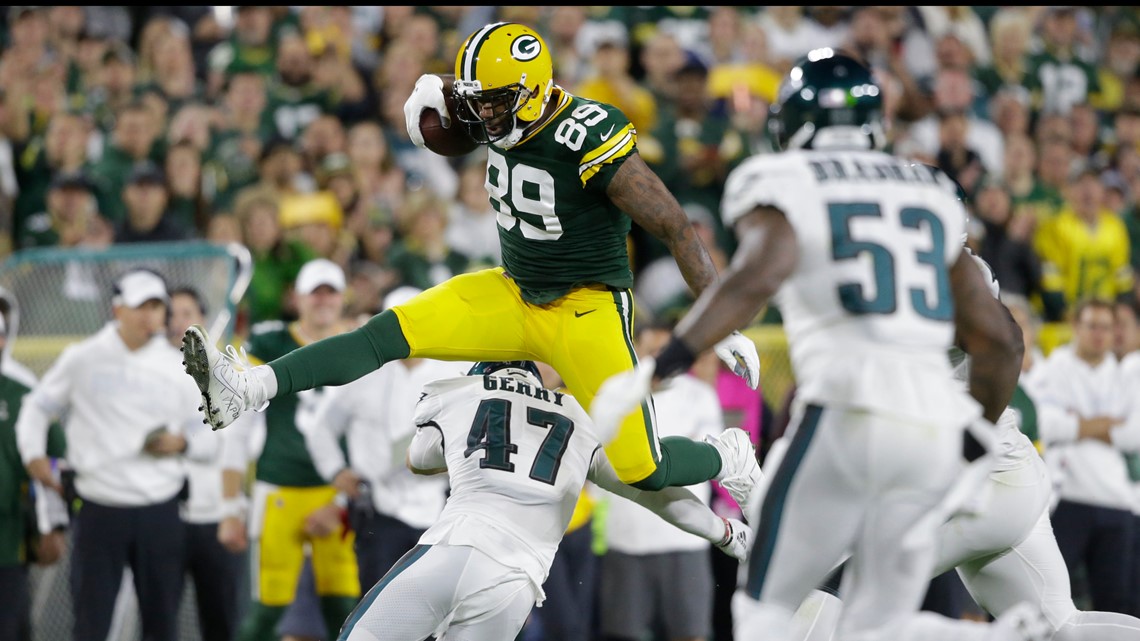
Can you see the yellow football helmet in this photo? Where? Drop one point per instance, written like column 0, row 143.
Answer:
column 503, row 78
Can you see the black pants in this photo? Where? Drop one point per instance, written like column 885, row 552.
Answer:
column 1100, row 539
column 151, row 541
column 571, row 587
column 15, row 613
column 216, row 573
column 380, row 541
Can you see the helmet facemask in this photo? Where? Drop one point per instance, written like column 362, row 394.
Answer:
column 490, row 116
column 503, row 80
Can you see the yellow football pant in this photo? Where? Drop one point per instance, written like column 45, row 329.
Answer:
column 279, row 554
column 587, row 336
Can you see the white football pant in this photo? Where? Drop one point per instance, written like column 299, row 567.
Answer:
column 455, row 593
column 850, row 482
column 1005, row 555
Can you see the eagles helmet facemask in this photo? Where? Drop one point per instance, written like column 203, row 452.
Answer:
column 829, row 100
column 483, row 368
column 503, row 79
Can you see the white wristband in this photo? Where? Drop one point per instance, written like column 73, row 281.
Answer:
column 236, row 506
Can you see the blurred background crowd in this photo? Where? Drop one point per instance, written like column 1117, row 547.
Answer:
column 282, row 129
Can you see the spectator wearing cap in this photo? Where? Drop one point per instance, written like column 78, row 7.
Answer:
column 22, row 543
column 71, row 219
column 148, row 220
column 292, row 507
column 317, row 221
column 125, row 405
column 131, row 142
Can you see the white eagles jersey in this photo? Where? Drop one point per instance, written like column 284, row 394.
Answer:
column 868, row 309
column 517, row 457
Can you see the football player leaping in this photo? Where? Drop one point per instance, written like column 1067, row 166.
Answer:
column 565, row 177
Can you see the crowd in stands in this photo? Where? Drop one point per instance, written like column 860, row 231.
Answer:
column 282, row 128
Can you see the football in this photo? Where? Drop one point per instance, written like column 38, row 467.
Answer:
column 446, row 141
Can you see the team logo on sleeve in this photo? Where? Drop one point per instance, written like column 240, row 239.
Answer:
column 525, row 47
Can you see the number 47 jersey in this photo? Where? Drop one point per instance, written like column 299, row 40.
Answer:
column 868, row 309
column 517, row 457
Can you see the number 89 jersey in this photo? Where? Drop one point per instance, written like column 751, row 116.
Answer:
column 868, row 309
column 517, row 458
column 557, row 227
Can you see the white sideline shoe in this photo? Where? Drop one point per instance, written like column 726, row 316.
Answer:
column 739, row 472
column 226, row 381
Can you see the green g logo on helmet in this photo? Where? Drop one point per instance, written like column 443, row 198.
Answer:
column 829, row 100
column 525, row 47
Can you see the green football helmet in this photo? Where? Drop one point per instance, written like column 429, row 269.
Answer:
column 829, row 100
column 485, row 368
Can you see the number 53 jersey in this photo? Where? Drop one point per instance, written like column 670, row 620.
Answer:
column 517, row 458
column 868, row 309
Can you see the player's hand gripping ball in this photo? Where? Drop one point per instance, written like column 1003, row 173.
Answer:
column 429, row 114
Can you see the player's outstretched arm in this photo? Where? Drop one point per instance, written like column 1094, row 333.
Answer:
column 989, row 334
column 764, row 258
column 679, row 507
column 641, row 194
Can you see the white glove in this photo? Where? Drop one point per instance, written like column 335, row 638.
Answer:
column 619, row 395
column 738, row 540
column 428, row 94
column 739, row 352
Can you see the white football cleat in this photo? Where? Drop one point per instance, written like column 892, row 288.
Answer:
column 739, row 471
column 226, row 381
column 1022, row 622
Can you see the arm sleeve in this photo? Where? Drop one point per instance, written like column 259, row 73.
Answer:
column 322, row 431
column 677, row 505
column 425, row 453
column 44, row 404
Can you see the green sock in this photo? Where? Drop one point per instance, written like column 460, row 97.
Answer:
column 260, row 623
column 343, row 358
column 336, row 610
column 683, row 462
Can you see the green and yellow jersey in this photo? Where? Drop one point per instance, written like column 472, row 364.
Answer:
column 557, row 227
column 284, row 459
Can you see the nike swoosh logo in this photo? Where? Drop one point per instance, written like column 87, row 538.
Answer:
column 608, row 133
column 581, row 314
